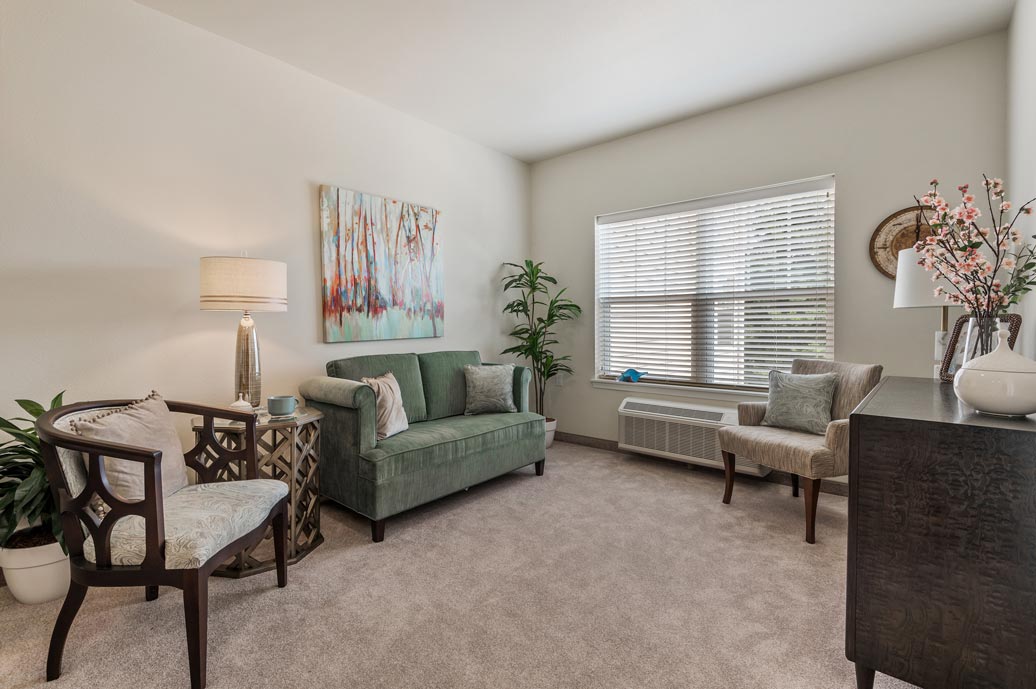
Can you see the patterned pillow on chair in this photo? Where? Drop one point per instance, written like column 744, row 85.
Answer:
column 800, row 402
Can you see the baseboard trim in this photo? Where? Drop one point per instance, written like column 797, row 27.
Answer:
column 830, row 487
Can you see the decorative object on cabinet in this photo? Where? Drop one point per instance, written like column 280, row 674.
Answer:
column 900, row 230
column 942, row 518
column 230, row 283
column 950, row 365
column 288, row 450
column 382, row 269
column 1002, row 383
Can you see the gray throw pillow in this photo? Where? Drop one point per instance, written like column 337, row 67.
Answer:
column 489, row 389
column 800, row 402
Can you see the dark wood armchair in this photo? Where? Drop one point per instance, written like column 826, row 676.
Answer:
column 158, row 541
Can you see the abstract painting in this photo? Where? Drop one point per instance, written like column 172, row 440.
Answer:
column 382, row 273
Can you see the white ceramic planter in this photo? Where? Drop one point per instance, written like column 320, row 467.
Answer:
column 36, row 575
column 552, row 425
column 1002, row 382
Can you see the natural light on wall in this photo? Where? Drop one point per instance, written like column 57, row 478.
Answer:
column 720, row 290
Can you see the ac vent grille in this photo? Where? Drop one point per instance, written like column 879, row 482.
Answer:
column 683, row 412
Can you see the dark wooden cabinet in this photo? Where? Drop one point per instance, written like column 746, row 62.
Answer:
column 942, row 541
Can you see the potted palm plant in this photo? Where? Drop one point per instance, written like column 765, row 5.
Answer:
column 32, row 547
column 538, row 313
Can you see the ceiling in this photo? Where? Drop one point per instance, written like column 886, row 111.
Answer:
column 536, row 78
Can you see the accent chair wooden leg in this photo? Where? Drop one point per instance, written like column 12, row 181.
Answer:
column 794, row 485
column 540, row 466
column 812, row 491
column 280, row 544
column 196, row 615
column 377, row 530
column 73, row 601
column 728, row 471
column 150, row 592
column 864, row 677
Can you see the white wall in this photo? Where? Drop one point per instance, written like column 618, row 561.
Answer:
column 875, row 129
column 1022, row 135
column 131, row 144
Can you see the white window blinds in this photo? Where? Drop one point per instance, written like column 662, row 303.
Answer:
column 718, row 291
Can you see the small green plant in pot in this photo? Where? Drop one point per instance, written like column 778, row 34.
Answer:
column 33, row 557
column 538, row 313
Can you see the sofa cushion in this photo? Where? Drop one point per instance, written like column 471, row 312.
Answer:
column 444, row 386
column 403, row 366
column 440, row 441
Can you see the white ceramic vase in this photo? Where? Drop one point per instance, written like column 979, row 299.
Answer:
column 552, row 426
column 1002, row 382
column 36, row 575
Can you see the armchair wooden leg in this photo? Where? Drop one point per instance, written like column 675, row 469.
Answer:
column 728, row 472
column 540, row 466
column 280, row 544
column 794, row 485
column 864, row 677
column 377, row 530
column 73, row 601
column 196, row 615
column 812, row 486
column 150, row 592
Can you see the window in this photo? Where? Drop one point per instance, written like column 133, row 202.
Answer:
column 718, row 291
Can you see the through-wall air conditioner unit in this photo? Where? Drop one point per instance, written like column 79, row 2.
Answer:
column 674, row 430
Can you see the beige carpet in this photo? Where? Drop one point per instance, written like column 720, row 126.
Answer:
column 610, row 571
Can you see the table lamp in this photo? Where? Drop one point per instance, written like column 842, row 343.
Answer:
column 230, row 283
column 915, row 289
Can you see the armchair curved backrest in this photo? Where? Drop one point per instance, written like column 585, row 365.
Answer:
column 854, row 381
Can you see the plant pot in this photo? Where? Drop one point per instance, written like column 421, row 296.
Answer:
column 36, row 575
column 552, row 425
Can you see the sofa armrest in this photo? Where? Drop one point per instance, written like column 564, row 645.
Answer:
column 837, row 437
column 751, row 413
column 353, row 399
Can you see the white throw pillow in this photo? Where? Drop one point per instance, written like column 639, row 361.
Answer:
column 146, row 423
column 390, row 417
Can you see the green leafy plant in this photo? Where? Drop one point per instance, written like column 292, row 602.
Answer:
column 24, row 490
column 538, row 312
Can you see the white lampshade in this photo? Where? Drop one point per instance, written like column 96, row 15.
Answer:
column 231, row 283
column 914, row 286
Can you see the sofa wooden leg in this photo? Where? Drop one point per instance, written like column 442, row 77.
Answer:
column 73, row 601
column 812, row 486
column 728, row 471
column 864, row 677
column 196, row 615
column 794, row 485
column 150, row 592
column 377, row 530
column 539, row 467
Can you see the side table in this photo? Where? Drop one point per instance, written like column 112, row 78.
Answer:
column 287, row 450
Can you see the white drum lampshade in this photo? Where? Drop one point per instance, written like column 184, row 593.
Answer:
column 914, row 290
column 230, row 283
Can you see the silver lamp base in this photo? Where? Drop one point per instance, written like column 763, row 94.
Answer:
column 248, row 380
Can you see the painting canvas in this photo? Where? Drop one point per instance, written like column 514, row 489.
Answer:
column 382, row 270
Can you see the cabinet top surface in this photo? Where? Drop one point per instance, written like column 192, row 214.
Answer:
column 926, row 399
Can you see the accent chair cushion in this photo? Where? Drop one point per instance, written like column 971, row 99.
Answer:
column 796, row 452
column 444, row 383
column 403, row 366
column 800, row 402
column 200, row 520
column 389, row 416
column 489, row 389
column 146, row 423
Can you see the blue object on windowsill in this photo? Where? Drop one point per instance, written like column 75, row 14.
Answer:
column 631, row 375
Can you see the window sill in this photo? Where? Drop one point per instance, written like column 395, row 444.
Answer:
column 721, row 394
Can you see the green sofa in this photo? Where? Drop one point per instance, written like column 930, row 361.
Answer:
column 442, row 452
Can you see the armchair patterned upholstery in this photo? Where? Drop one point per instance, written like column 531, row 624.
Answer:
column 812, row 457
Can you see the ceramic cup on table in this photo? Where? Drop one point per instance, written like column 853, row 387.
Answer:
column 281, row 405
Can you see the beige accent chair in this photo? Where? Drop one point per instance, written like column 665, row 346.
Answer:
column 813, row 457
